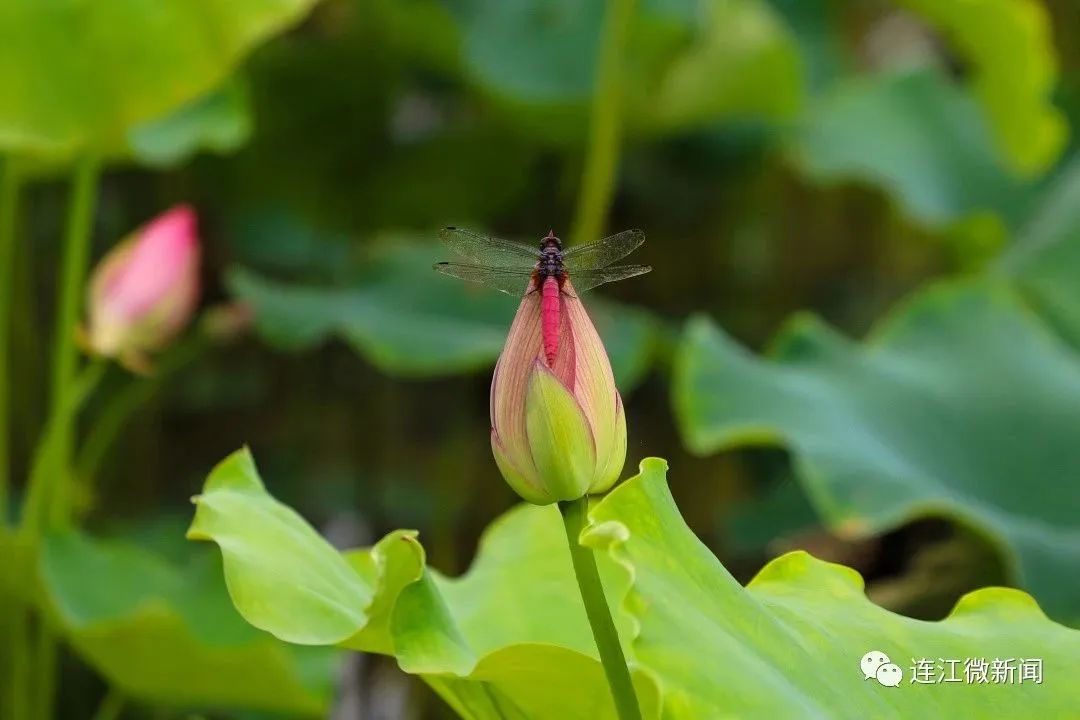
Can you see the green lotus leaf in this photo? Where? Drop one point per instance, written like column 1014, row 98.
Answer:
column 781, row 511
column 1044, row 262
column 236, row 512
column 80, row 76
column 219, row 121
column 689, row 63
column 169, row 635
column 919, row 137
column 400, row 315
column 410, row 321
column 962, row 404
column 509, row 637
column 789, row 644
column 1009, row 45
column 391, row 565
column 536, row 52
column 821, row 49
column 742, row 63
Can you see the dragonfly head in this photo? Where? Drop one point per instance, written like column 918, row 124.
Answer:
column 550, row 240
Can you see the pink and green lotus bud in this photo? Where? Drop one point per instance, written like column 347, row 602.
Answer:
column 145, row 290
column 558, row 431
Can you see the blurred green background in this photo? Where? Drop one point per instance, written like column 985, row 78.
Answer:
column 905, row 171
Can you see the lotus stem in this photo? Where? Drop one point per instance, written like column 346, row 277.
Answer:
column 596, row 608
column 602, row 155
column 47, row 501
column 9, row 199
column 71, row 290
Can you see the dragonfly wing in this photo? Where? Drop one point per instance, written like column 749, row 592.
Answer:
column 602, row 253
column 583, row 280
column 511, row 281
column 488, row 251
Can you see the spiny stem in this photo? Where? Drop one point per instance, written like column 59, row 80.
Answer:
column 602, row 156
column 596, row 608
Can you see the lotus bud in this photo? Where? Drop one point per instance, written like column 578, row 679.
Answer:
column 144, row 291
column 558, row 430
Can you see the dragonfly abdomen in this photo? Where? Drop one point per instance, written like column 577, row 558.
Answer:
column 549, row 317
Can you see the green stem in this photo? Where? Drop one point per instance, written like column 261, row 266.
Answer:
column 12, row 663
column 9, row 199
column 108, row 424
column 44, row 676
column 28, row 372
column 111, row 706
column 602, row 158
column 596, row 608
column 48, row 478
column 65, row 353
column 50, row 472
column 47, row 502
column 20, row 661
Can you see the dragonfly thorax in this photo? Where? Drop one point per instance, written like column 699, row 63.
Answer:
column 550, row 263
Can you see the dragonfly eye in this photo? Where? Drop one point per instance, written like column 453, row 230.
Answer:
column 550, row 240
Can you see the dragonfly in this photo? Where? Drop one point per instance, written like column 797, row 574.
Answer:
column 518, row 269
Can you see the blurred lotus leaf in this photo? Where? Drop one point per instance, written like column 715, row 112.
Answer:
column 218, row 121
column 1045, row 260
column 821, row 48
column 169, row 635
column 398, row 314
column 410, row 321
column 1013, row 70
column 962, row 405
column 689, row 62
column 921, row 138
column 783, row 510
column 510, row 637
column 742, row 62
column 80, row 76
column 539, row 52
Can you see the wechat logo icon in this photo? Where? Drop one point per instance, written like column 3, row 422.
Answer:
column 876, row 664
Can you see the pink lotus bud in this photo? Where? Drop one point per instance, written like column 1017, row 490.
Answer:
column 145, row 290
column 557, row 425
